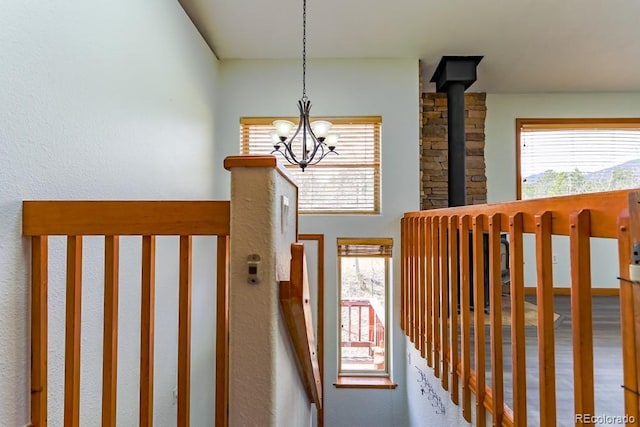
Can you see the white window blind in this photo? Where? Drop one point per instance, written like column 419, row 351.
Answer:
column 345, row 183
column 565, row 158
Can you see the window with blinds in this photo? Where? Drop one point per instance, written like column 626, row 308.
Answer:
column 345, row 183
column 570, row 156
column 364, row 271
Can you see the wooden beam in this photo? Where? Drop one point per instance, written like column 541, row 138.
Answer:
column 495, row 303
column 478, row 309
column 454, row 256
column 465, row 315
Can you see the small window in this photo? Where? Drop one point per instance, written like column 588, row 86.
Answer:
column 347, row 183
column 364, row 282
column 558, row 157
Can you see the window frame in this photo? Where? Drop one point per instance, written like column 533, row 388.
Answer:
column 563, row 124
column 366, row 378
column 336, row 120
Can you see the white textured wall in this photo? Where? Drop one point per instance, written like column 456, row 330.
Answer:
column 386, row 87
column 500, row 153
column 103, row 100
column 265, row 388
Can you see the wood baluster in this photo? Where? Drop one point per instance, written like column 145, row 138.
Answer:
column 495, row 307
column 465, row 316
column 222, row 333
column 72, row 336
column 478, row 308
column 581, row 311
column 147, row 330
column 184, row 332
column 546, row 344
column 403, row 274
column 39, row 329
column 435, row 239
column 110, row 336
column 518, row 338
column 627, row 325
column 428, row 297
column 421, row 286
column 444, row 303
column 454, row 256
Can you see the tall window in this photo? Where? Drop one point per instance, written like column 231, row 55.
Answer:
column 364, row 280
column 569, row 156
column 345, row 183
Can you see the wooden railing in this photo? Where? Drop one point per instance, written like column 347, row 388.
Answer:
column 443, row 261
column 294, row 300
column 366, row 333
column 112, row 219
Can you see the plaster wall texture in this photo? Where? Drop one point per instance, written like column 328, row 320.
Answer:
column 265, row 387
column 500, row 157
column 341, row 87
column 104, row 100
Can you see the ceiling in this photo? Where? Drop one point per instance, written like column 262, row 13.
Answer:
column 528, row 45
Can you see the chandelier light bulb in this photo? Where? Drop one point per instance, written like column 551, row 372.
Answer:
column 283, row 128
column 321, row 128
column 275, row 140
column 331, row 141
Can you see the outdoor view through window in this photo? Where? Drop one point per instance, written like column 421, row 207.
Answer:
column 364, row 282
column 563, row 157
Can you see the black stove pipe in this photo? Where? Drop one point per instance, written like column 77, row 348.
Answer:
column 454, row 75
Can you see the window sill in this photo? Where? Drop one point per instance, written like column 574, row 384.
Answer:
column 365, row 382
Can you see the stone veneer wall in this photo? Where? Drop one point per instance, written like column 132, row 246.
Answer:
column 434, row 149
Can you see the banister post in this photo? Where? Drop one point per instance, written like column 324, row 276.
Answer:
column 262, row 366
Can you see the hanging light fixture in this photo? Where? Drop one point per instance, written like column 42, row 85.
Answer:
column 316, row 141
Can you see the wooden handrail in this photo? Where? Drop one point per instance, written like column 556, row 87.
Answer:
column 111, row 219
column 294, row 299
column 444, row 256
column 125, row 218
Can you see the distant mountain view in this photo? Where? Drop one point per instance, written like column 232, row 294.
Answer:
column 552, row 183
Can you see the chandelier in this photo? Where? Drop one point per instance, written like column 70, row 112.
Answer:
column 315, row 140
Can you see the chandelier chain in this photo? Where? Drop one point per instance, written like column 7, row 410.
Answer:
column 304, row 50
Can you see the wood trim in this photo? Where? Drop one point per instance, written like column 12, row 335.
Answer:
column 39, row 329
column 336, row 120
column 546, row 343
column 319, row 238
column 72, row 334
column 125, row 218
column 604, row 208
column 147, row 321
column 110, row 335
column 581, row 313
column 250, row 161
column 595, row 292
column 384, row 383
column 519, row 124
column 222, row 333
column 579, row 123
column 184, row 332
column 294, row 300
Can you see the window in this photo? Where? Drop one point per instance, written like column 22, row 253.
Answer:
column 569, row 156
column 364, row 280
column 345, row 183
